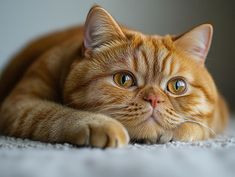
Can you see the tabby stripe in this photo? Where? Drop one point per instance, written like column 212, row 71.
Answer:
column 167, row 66
column 134, row 63
column 38, row 118
column 45, row 77
column 172, row 65
column 146, row 63
column 207, row 95
column 8, row 126
column 11, row 123
column 164, row 61
column 222, row 111
column 81, row 86
column 139, row 44
column 155, row 65
column 185, row 107
column 55, row 118
column 171, row 113
column 175, row 67
column 22, row 121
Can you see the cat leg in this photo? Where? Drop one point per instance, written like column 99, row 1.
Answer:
column 27, row 117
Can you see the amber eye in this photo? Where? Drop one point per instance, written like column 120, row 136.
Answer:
column 124, row 79
column 177, row 86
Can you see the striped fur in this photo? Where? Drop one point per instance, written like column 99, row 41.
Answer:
column 60, row 88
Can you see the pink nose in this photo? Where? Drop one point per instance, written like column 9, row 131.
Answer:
column 152, row 99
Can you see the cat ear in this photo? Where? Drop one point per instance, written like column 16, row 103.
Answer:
column 100, row 28
column 196, row 42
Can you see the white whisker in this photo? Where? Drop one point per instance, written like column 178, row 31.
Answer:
column 183, row 119
column 201, row 124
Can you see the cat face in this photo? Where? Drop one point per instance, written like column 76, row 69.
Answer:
column 151, row 84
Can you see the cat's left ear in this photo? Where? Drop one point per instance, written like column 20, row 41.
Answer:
column 196, row 42
column 100, row 29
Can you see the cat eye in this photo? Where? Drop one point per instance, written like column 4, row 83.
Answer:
column 124, row 79
column 177, row 86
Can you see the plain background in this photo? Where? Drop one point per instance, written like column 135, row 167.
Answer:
column 23, row 20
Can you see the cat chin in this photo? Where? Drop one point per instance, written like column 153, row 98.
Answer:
column 151, row 131
column 152, row 120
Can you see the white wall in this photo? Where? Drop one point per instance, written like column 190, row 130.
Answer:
column 21, row 20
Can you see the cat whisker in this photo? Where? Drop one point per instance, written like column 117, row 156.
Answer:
column 201, row 124
column 172, row 117
column 195, row 120
column 172, row 113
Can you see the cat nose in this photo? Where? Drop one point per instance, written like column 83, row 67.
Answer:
column 152, row 99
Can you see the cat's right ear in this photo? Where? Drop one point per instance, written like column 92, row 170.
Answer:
column 100, row 29
column 196, row 43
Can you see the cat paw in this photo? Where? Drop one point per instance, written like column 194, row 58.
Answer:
column 189, row 132
column 187, row 137
column 161, row 139
column 103, row 134
column 165, row 138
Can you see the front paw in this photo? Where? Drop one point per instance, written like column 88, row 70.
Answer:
column 103, row 133
column 189, row 132
column 165, row 138
column 161, row 138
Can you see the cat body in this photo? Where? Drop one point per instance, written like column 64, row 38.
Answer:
column 102, row 84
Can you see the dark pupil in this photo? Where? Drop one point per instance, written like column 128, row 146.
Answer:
column 124, row 79
column 178, row 84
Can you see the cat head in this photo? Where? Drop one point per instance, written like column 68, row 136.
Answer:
column 149, row 83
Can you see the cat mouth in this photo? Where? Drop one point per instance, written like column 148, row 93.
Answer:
column 153, row 119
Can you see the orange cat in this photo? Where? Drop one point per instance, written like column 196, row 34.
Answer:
column 102, row 84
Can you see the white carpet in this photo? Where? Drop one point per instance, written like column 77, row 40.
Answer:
column 212, row 158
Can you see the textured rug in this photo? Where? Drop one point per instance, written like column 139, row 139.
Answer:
column 212, row 158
